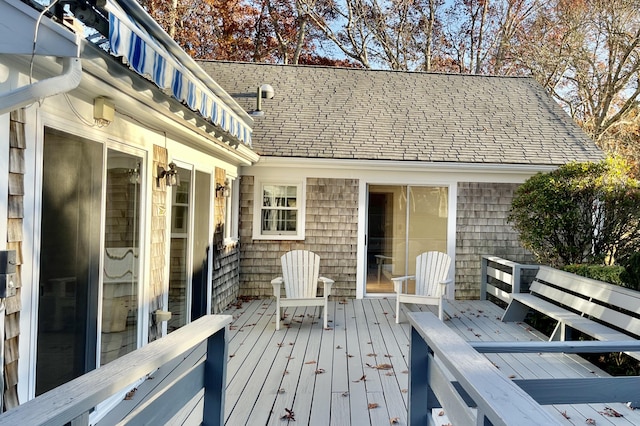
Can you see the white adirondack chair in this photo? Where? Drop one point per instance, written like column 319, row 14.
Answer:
column 432, row 269
column 300, row 276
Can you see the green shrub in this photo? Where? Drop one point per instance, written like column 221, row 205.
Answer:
column 607, row 274
column 631, row 274
column 579, row 213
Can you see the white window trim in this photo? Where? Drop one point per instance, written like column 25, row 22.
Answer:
column 257, row 210
column 232, row 213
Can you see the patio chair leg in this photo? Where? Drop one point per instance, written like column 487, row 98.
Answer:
column 397, row 311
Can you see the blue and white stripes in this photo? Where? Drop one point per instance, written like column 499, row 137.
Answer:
column 150, row 59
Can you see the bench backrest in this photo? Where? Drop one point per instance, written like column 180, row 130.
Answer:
column 592, row 298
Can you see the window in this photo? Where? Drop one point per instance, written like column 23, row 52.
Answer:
column 280, row 211
column 231, row 214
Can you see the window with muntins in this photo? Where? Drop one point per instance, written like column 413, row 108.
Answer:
column 280, row 215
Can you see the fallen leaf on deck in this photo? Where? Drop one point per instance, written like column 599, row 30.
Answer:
column 281, row 390
column 372, row 354
column 130, row 394
column 565, row 415
column 394, row 420
column 320, row 371
column 310, row 362
column 440, row 413
column 405, row 372
column 388, row 356
column 345, row 394
column 590, row 422
column 381, row 366
column 338, row 347
column 290, row 357
column 404, row 390
column 610, row 412
column 512, row 376
column 289, row 416
column 349, row 356
column 361, row 379
column 373, row 405
column 390, row 373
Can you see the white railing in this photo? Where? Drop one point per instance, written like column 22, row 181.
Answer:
column 501, row 277
column 447, row 372
column 187, row 368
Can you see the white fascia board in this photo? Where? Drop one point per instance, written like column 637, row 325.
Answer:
column 382, row 170
column 18, row 30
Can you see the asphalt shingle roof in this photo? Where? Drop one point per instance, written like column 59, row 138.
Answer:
column 325, row 112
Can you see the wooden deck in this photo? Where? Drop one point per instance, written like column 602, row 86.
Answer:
column 355, row 372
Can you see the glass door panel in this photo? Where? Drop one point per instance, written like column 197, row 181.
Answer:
column 69, row 259
column 179, row 252
column 403, row 221
column 201, row 245
column 190, row 248
column 121, row 256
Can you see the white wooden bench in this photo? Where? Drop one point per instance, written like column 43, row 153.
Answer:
column 600, row 310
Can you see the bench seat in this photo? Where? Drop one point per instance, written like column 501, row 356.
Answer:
column 581, row 304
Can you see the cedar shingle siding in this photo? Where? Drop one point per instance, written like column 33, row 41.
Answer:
column 482, row 228
column 331, row 227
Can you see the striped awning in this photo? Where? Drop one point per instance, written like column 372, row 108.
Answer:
column 149, row 58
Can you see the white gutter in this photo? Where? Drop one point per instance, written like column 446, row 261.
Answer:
column 36, row 92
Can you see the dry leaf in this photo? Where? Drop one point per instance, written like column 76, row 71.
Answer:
column 361, row 379
column 394, row 420
column 289, row 415
column 310, row 362
column 281, row 390
column 512, row 376
column 338, row 347
column 372, row 354
column 440, row 413
column 345, row 393
column 320, row 371
column 590, row 422
column 565, row 415
column 373, row 405
column 130, row 394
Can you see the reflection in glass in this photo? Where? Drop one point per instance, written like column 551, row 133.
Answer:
column 403, row 221
column 178, row 274
column 69, row 259
column 121, row 257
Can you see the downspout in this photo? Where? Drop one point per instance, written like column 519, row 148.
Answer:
column 36, row 92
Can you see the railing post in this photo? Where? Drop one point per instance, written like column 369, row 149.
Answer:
column 215, row 379
column 517, row 278
column 483, row 278
column 419, row 403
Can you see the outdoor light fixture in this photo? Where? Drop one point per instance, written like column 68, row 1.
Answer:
column 104, row 110
column 264, row 91
column 171, row 174
column 223, row 190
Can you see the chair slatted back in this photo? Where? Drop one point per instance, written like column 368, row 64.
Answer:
column 300, row 272
column 432, row 267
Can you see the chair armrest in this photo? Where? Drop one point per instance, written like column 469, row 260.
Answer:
column 277, row 285
column 397, row 282
column 447, row 281
column 328, row 282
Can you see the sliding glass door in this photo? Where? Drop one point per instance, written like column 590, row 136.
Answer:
column 190, row 251
column 402, row 222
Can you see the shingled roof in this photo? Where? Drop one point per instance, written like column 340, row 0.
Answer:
column 341, row 113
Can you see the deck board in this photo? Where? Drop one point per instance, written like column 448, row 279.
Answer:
column 330, row 377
